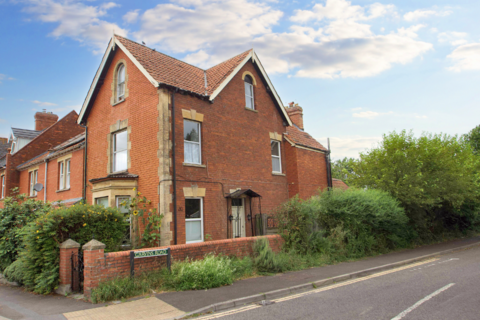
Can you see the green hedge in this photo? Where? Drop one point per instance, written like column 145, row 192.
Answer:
column 42, row 237
column 17, row 212
column 352, row 223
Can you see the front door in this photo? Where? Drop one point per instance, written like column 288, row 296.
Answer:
column 238, row 212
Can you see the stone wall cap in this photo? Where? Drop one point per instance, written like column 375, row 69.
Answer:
column 69, row 244
column 93, row 245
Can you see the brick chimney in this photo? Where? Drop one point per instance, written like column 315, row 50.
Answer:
column 3, row 140
column 295, row 113
column 44, row 119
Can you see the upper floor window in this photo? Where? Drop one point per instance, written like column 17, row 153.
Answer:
column 192, row 142
column 33, row 182
column 276, row 158
column 3, row 187
column 121, row 83
column 249, row 92
column 120, row 152
column 64, row 175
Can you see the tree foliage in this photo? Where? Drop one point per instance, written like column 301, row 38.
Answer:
column 473, row 138
column 433, row 176
column 343, row 169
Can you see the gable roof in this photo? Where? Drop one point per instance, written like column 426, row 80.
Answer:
column 161, row 69
column 301, row 138
column 25, row 133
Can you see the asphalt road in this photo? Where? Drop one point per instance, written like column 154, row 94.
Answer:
column 447, row 288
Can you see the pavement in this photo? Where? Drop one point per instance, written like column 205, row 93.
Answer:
column 15, row 303
column 440, row 288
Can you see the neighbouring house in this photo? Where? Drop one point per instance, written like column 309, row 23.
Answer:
column 212, row 149
column 51, row 157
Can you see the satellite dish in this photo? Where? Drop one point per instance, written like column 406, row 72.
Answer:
column 38, row 187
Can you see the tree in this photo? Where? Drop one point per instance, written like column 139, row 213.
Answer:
column 433, row 176
column 473, row 137
column 343, row 169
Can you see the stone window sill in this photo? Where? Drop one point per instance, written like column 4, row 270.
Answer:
column 118, row 102
column 31, row 197
column 278, row 174
column 253, row 110
column 62, row 190
column 194, row 165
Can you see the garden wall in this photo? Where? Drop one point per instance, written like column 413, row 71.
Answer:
column 100, row 266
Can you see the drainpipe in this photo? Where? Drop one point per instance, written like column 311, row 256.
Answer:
column 84, row 195
column 174, row 171
column 45, row 189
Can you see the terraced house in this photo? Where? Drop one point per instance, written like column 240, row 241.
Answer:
column 46, row 163
column 211, row 148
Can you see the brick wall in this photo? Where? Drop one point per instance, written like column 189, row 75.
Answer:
column 53, row 194
column 236, row 153
column 140, row 108
column 100, row 267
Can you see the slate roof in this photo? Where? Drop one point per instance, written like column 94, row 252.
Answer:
column 302, row 138
column 179, row 74
column 3, row 161
column 3, row 149
column 70, row 145
column 25, row 133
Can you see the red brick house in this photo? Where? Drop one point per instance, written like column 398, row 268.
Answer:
column 51, row 157
column 210, row 148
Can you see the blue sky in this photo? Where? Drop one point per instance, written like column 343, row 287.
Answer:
column 358, row 68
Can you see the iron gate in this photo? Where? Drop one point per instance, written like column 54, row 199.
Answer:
column 77, row 272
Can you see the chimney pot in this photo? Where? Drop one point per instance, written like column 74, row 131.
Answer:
column 295, row 112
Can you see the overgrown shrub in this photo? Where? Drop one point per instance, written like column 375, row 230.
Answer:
column 122, row 288
column 17, row 212
column 211, row 272
column 15, row 272
column 349, row 223
column 43, row 236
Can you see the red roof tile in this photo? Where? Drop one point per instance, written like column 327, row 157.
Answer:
column 302, row 138
column 337, row 183
column 179, row 74
column 217, row 74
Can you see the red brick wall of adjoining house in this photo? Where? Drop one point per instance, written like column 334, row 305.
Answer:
column 63, row 130
column 292, row 169
column 76, row 179
column 140, row 108
column 100, row 267
column 312, row 173
column 235, row 150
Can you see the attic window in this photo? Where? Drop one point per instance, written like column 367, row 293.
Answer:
column 249, row 93
column 120, row 83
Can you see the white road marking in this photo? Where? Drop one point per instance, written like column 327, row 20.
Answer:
column 337, row 285
column 416, row 305
column 434, row 264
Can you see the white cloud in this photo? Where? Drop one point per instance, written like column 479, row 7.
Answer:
column 356, row 109
column 44, row 104
column 131, row 16
column 454, row 38
column 224, row 26
column 210, row 31
column 5, row 77
column 350, row 146
column 465, row 57
column 343, row 10
column 425, row 13
column 77, row 20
